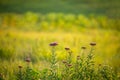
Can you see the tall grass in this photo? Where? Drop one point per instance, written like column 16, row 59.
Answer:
column 28, row 35
column 83, row 68
column 57, row 21
column 16, row 45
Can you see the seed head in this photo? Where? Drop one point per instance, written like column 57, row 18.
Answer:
column 70, row 52
column 28, row 59
column 53, row 44
column 69, row 65
column 78, row 57
column 83, row 47
column 99, row 64
column 92, row 43
column 64, row 62
column 20, row 67
column 67, row 48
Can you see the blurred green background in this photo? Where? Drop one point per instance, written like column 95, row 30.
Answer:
column 28, row 26
column 105, row 7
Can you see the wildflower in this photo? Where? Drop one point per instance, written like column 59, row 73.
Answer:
column 99, row 64
column 20, row 67
column 64, row 62
column 78, row 57
column 27, row 59
column 53, row 44
column 67, row 48
column 92, row 43
column 70, row 52
column 69, row 65
column 83, row 47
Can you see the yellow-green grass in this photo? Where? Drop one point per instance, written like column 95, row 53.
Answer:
column 19, row 44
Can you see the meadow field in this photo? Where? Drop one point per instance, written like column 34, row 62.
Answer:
column 25, row 43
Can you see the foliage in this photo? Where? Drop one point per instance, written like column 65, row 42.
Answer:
column 30, row 33
column 109, row 8
column 35, row 44
column 82, row 69
column 58, row 21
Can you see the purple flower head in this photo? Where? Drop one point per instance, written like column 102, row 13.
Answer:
column 92, row 43
column 20, row 67
column 83, row 47
column 67, row 48
column 53, row 44
column 69, row 65
column 28, row 59
column 64, row 62
column 78, row 57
